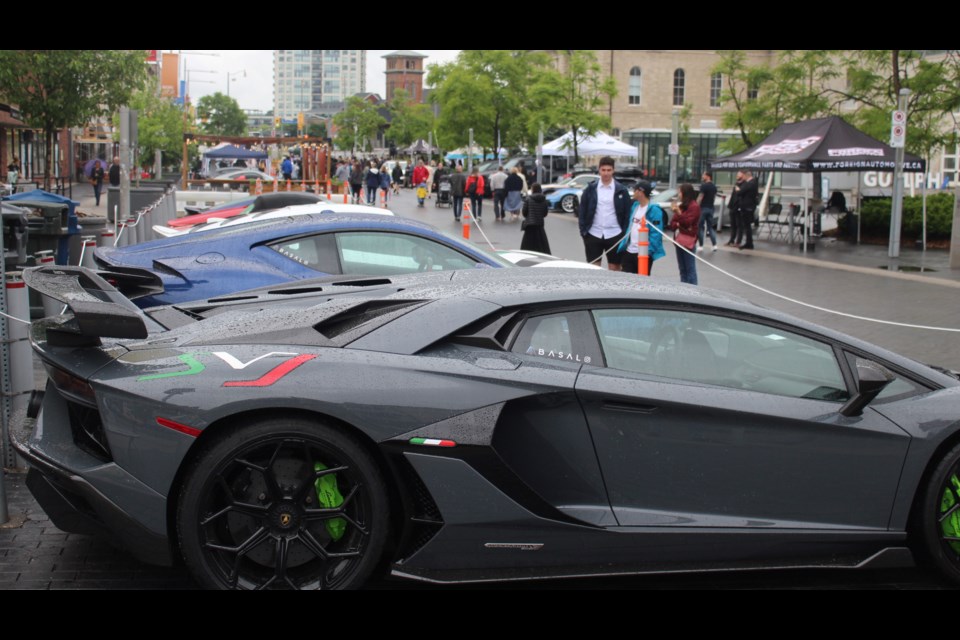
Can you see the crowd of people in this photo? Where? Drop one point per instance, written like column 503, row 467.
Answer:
column 612, row 223
column 610, row 218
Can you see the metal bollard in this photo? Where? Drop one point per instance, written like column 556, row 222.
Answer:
column 18, row 333
column 107, row 238
column 51, row 307
column 127, row 236
column 140, row 226
column 146, row 221
column 89, row 244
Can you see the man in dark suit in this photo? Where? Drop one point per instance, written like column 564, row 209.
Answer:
column 604, row 210
column 746, row 202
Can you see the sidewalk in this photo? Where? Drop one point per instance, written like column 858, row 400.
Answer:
column 932, row 265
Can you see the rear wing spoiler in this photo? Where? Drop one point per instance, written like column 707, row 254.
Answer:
column 99, row 309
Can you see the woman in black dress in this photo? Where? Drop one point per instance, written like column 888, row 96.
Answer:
column 534, row 211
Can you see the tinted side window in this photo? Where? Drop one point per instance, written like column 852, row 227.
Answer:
column 317, row 252
column 378, row 253
column 561, row 336
column 718, row 350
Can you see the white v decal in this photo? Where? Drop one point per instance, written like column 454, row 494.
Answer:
column 236, row 364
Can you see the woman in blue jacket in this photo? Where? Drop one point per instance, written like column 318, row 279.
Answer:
column 642, row 208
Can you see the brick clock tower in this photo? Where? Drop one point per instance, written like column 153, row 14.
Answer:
column 405, row 71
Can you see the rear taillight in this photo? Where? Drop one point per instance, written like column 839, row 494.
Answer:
column 71, row 386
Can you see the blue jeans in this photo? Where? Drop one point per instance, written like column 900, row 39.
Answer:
column 457, row 206
column 688, row 266
column 371, row 195
column 706, row 220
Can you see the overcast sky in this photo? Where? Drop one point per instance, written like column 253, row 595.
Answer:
column 255, row 89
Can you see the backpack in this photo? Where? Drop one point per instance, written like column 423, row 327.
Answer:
column 664, row 215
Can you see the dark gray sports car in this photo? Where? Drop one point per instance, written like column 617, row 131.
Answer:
column 472, row 426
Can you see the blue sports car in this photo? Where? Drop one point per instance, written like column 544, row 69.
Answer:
column 223, row 261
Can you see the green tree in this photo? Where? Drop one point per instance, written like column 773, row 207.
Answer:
column 160, row 125
column 221, row 115
column 571, row 97
column 357, row 123
column 485, row 90
column 875, row 78
column 55, row 89
column 409, row 121
column 317, row 129
column 759, row 98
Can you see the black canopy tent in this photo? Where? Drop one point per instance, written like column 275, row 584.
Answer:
column 821, row 145
column 818, row 146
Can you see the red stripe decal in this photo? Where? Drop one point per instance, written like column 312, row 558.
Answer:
column 176, row 426
column 273, row 375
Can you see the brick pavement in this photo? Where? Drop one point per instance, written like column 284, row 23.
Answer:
column 34, row 554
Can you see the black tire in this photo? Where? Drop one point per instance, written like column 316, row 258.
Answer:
column 251, row 515
column 569, row 203
column 938, row 516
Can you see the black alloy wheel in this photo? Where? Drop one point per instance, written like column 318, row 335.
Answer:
column 283, row 504
column 939, row 516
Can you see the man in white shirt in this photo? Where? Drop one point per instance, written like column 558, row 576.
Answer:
column 497, row 181
column 604, row 210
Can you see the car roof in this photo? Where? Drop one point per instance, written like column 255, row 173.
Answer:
column 431, row 306
column 286, row 226
column 321, row 207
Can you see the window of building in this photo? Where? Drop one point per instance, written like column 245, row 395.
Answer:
column 635, row 86
column 950, row 163
column 716, row 86
column 679, row 84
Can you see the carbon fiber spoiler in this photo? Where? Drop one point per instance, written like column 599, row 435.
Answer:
column 99, row 309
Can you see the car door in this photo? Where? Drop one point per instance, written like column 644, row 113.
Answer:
column 708, row 420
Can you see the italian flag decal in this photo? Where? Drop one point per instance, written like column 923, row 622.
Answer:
column 432, row 442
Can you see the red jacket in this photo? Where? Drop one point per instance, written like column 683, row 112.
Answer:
column 479, row 181
column 687, row 220
column 420, row 175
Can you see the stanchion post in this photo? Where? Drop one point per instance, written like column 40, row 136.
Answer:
column 643, row 248
column 89, row 245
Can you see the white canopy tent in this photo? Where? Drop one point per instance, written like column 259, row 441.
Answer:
column 599, row 144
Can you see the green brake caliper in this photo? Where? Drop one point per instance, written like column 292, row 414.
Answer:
column 951, row 525
column 330, row 498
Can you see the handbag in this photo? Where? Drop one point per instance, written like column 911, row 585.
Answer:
column 686, row 240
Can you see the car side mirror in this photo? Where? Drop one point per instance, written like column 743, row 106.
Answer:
column 872, row 378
